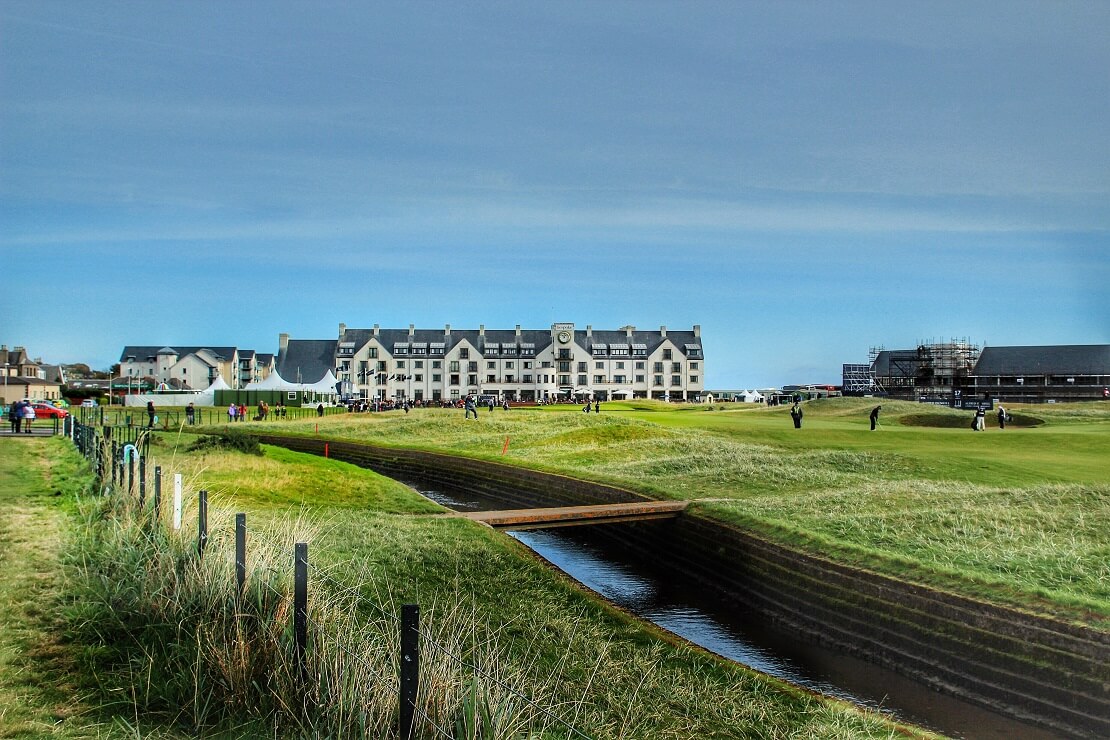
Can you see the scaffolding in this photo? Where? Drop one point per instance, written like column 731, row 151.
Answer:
column 931, row 369
column 856, row 379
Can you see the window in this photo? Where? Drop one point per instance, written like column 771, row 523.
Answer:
column 472, row 380
column 373, row 353
column 400, row 364
column 676, row 380
column 436, row 377
column 666, row 354
column 437, row 364
column 526, row 379
column 464, row 354
column 581, row 380
column 509, row 365
column 527, row 364
column 581, row 367
column 620, row 366
column 676, row 367
column 382, row 366
column 510, row 379
column 564, row 380
column 658, row 380
column 419, row 378
column 599, row 366
column 620, row 379
column 639, row 378
column 693, row 366
column 491, row 378
column 693, row 378
column 564, row 367
column 599, row 379
column 454, row 367
column 472, row 367
column 454, row 380
column 657, row 367
column 640, row 365
column 418, row 364
column 491, row 365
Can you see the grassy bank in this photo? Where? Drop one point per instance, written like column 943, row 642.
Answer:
column 164, row 639
column 1017, row 516
column 603, row 673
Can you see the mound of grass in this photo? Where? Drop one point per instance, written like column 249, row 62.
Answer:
column 962, row 420
column 235, row 441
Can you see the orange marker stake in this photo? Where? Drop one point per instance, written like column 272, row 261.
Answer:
column 505, row 447
column 325, row 449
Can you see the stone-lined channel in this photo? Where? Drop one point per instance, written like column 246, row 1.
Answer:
column 1023, row 666
column 640, row 587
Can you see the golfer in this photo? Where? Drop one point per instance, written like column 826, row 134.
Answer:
column 875, row 416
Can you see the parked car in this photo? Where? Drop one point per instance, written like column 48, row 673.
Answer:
column 48, row 411
column 89, row 403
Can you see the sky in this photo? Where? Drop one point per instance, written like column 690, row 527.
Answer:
column 803, row 180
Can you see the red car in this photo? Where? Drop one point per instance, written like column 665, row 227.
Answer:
column 47, row 411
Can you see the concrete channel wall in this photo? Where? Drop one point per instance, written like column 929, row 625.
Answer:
column 1029, row 667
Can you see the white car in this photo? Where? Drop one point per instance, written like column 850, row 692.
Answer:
column 89, row 403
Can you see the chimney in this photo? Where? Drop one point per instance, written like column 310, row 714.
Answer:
column 589, row 332
column 697, row 330
column 342, row 329
column 628, row 331
column 518, row 331
column 482, row 330
column 663, row 331
column 283, row 343
column 412, row 331
column 376, row 330
column 447, row 330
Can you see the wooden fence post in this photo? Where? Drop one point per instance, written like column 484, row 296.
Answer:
column 202, row 523
column 300, row 606
column 142, row 482
column 157, row 492
column 240, row 552
column 410, row 668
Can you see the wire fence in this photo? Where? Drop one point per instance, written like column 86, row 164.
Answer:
column 118, row 457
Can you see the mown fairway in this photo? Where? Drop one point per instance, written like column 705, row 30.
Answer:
column 1019, row 516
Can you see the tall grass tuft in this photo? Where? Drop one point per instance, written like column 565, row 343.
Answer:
column 166, row 636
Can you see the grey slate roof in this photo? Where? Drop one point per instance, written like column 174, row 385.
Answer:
column 539, row 338
column 149, row 352
column 1060, row 359
column 307, row 360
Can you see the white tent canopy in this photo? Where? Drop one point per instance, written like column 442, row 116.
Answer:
column 274, row 382
column 751, row 397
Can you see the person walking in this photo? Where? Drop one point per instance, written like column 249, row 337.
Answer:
column 232, row 412
column 150, row 414
column 796, row 415
column 190, row 414
column 875, row 416
column 1001, row 417
column 597, row 407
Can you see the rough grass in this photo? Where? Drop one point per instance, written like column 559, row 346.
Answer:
column 170, row 641
column 1014, row 515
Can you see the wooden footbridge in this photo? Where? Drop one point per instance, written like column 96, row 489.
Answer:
column 570, row 516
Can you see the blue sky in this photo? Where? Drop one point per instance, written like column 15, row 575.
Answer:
column 803, row 180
